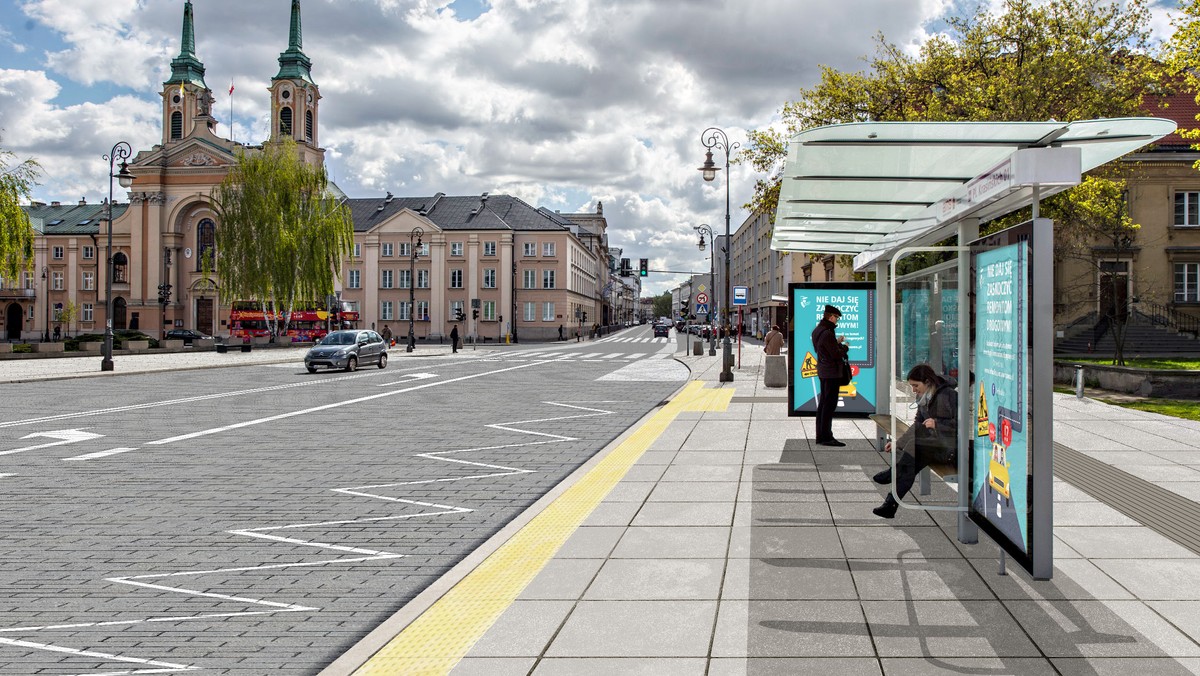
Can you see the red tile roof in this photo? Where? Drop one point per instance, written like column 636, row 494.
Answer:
column 1180, row 107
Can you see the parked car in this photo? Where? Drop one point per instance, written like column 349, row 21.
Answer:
column 662, row 330
column 186, row 335
column 347, row 350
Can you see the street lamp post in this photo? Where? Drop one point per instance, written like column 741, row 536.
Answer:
column 712, row 282
column 714, row 137
column 414, row 239
column 121, row 151
column 46, row 287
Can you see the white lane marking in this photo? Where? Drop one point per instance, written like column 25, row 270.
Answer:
column 6, row 475
column 587, row 355
column 101, row 454
column 65, row 437
column 166, row 667
column 412, row 377
column 325, row 407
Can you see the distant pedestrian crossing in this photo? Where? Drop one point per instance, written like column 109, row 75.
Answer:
column 563, row 355
column 618, row 339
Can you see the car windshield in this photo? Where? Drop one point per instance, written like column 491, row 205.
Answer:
column 338, row 339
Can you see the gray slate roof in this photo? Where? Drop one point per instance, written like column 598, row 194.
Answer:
column 464, row 212
column 70, row 219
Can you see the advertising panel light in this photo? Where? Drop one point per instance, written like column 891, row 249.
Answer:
column 807, row 302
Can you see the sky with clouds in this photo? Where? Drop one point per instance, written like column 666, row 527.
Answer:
column 562, row 103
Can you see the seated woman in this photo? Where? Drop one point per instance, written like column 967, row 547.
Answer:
column 932, row 438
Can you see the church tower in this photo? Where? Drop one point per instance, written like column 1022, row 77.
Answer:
column 295, row 97
column 187, row 101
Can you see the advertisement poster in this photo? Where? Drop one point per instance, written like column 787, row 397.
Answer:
column 807, row 305
column 1000, row 452
column 920, row 333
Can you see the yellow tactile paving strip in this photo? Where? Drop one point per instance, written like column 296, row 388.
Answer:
column 439, row 638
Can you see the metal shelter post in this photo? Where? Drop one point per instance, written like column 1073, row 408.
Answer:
column 884, row 382
column 968, row 231
column 1042, row 409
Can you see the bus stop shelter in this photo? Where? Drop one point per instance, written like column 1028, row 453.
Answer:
column 882, row 191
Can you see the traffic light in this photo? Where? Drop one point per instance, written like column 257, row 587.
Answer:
column 458, row 314
column 584, row 317
column 625, row 267
column 643, row 267
column 164, row 293
column 474, row 314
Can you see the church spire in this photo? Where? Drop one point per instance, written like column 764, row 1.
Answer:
column 186, row 68
column 294, row 64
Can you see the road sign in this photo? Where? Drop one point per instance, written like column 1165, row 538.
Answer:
column 740, row 295
column 702, row 298
column 808, row 369
column 701, row 308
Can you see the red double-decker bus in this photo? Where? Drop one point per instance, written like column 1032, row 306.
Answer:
column 247, row 319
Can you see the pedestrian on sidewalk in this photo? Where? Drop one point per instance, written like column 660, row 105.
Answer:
column 831, row 352
column 387, row 335
column 932, row 438
column 560, row 331
column 454, row 338
column 774, row 340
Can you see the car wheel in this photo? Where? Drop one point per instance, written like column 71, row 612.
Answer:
column 383, row 360
column 311, row 369
column 352, row 364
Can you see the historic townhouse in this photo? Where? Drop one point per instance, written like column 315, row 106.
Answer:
column 530, row 269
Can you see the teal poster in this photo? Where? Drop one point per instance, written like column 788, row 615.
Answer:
column 922, row 333
column 857, row 325
column 1001, row 450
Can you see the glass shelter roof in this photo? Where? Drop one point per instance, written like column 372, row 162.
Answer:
column 870, row 187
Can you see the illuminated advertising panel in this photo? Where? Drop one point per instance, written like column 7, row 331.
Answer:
column 807, row 302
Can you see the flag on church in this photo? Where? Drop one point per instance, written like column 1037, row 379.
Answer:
column 231, row 87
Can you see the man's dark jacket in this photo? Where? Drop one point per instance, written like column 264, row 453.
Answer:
column 829, row 351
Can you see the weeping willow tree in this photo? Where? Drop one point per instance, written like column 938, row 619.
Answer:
column 16, row 232
column 282, row 235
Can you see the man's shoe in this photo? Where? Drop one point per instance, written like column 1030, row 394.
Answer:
column 884, row 477
column 831, row 442
column 888, row 509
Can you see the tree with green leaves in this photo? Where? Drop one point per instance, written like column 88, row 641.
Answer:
column 662, row 305
column 282, row 233
column 1062, row 59
column 1182, row 58
column 16, row 232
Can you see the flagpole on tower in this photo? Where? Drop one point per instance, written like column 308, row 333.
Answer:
column 231, row 136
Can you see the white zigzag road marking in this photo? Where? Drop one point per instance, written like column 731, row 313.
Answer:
column 264, row 533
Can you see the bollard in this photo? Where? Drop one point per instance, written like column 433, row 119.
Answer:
column 1079, row 381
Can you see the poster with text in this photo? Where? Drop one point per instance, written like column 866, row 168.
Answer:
column 1001, row 451
column 857, row 325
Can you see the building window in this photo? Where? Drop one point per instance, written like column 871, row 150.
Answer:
column 89, row 252
column 176, row 125
column 405, row 249
column 547, row 279
column 285, row 121
column 385, row 310
column 547, row 312
column 1187, row 209
column 456, row 248
column 386, row 278
column 358, row 249
column 456, row 278
column 387, row 249
column 424, row 250
column 58, row 253
column 548, row 249
column 489, row 249
column 489, row 278
column 56, row 281
column 31, row 313
column 86, row 312
column 422, row 279
column 1187, row 282
column 402, row 314
column 354, row 279
column 489, row 310
column 28, row 281
column 529, row 277
column 206, row 243
column 308, row 126
column 405, row 279
column 89, row 280
column 530, row 311
column 530, row 248
column 455, row 306
column 422, row 310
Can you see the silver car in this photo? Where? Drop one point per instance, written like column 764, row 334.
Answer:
column 347, row 350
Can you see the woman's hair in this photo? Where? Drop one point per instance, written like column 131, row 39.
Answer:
column 924, row 373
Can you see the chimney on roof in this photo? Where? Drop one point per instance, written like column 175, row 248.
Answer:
column 83, row 200
column 483, row 197
column 388, row 198
column 56, row 204
column 37, row 204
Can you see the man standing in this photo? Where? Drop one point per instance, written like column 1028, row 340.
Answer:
column 387, row 335
column 831, row 352
column 774, row 340
column 560, row 331
column 454, row 338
